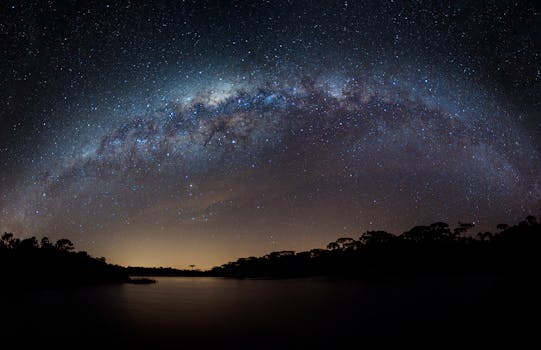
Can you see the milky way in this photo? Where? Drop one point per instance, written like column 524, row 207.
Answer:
column 229, row 161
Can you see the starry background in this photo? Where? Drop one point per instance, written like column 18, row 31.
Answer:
column 198, row 132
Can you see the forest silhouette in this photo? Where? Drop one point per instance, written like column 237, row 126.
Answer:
column 43, row 262
column 432, row 249
column 423, row 250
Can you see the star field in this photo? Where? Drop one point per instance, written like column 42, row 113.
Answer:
column 182, row 133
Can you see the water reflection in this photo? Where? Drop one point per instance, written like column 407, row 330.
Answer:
column 266, row 313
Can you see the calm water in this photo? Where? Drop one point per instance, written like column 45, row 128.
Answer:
column 265, row 313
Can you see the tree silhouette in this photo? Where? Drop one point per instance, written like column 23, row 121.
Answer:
column 64, row 244
column 417, row 234
column 484, row 236
column 345, row 243
column 28, row 244
column 463, row 228
column 45, row 243
column 281, row 254
column 7, row 237
column 531, row 220
column 376, row 238
column 9, row 241
column 314, row 253
column 333, row 246
column 502, row 227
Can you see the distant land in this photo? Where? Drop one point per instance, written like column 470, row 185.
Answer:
column 164, row 272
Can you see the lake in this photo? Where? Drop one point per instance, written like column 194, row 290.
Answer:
column 210, row 312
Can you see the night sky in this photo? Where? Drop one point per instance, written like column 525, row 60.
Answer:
column 199, row 132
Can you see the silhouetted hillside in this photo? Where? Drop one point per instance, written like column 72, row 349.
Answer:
column 432, row 249
column 43, row 262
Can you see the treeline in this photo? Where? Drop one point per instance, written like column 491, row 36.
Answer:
column 45, row 262
column 163, row 272
column 429, row 249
